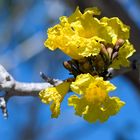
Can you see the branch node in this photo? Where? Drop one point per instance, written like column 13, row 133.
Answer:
column 47, row 79
column 3, row 106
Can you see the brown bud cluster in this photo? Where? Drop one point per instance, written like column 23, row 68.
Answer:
column 95, row 65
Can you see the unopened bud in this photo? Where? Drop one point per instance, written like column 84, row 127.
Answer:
column 103, row 50
column 67, row 65
column 118, row 44
column 115, row 54
column 109, row 50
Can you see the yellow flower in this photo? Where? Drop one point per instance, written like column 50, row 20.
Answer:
column 94, row 103
column 79, row 35
column 124, row 53
column 54, row 96
column 119, row 30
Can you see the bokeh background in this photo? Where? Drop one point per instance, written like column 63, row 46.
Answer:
column 23, row 26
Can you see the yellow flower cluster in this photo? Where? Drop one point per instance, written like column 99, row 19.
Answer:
column 94, row 45
column 80, row 35
column 94, row 102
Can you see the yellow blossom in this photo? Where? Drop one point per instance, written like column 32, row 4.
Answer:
column 79, row 35
column 54, row 96
column 119, row 30
column 94, row 102
column 124, row 53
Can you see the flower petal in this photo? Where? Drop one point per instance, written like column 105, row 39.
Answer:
column 120, row 30
column 84, row 80
column 54, row 96
column 79, row 105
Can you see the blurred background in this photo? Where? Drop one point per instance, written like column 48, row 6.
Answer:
column 23, row 26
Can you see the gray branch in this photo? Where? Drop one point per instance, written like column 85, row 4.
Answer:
column 11, row 87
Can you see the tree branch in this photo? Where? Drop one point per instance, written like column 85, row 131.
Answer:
column 11, row 87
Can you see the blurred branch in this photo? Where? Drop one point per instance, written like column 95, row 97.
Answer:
column 23, row 52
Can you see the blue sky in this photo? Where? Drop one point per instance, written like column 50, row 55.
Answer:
column 28, row 114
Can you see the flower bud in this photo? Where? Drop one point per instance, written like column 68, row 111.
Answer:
column 118, row 44
column 109, row 50
column 67, row 65
column 115, row 54
column 103, row 50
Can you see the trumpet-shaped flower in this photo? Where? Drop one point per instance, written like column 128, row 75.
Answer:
column 94, row 102
column 80, row 34
column 54, row 96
